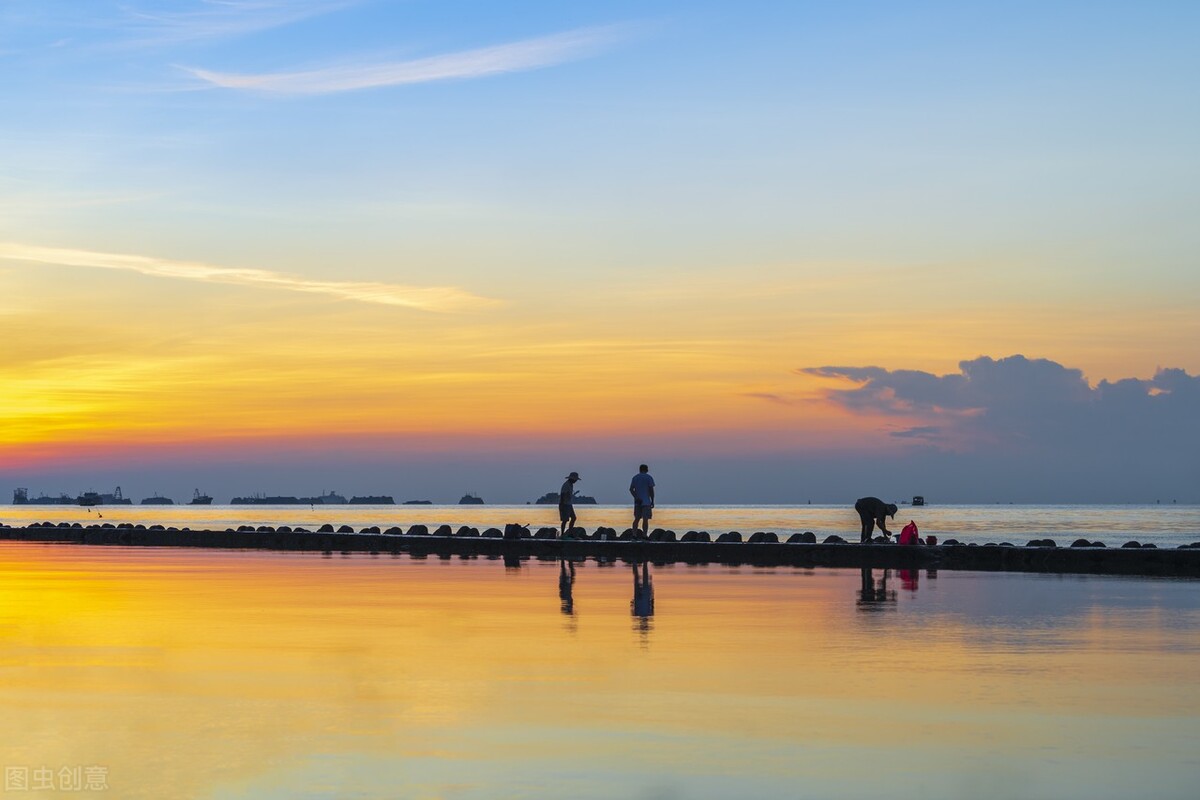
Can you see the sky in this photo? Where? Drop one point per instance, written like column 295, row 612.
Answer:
column 780, row 252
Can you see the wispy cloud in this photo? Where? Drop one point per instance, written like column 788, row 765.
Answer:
column 221, row 19
column 424, row 298
column 774, row 397
column 519, row 56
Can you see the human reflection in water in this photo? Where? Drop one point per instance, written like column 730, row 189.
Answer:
column 642, row 604
column 875, row 596
column 566, row 585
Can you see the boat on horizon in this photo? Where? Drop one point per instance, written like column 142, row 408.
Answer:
column 469, row 499
column 266, row 500
column 200, row 499
column 103, row 499
column 21, row 498
column 551, row 499
column 326, row 499
column 373, row 500
column 158, row 500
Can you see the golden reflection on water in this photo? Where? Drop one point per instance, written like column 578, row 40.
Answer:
column 191, row 673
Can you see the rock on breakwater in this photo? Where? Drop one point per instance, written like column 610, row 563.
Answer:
column 1183, row 561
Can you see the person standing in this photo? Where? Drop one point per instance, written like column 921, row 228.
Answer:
column 566, row 503
column 873, row 511
column 642, row 489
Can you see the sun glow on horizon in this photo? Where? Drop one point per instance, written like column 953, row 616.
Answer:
column 230, row 373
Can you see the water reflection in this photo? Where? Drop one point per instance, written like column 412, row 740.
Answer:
column 566, row 586
column 910, row 579
column 642, row 604
column 422, row 678
column 875, row 596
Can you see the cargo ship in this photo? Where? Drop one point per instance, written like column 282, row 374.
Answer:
column 551, row 499
column 103, row 499
column 21, row 498
column 470, row 500
column 266, row 500
column 200, row 499
column 158, row 500
column 373, row 500
column 327, row 499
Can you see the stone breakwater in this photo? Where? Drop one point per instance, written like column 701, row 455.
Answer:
column 662, row 546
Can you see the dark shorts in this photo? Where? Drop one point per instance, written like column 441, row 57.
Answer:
column 642, row 511
column 565, row 511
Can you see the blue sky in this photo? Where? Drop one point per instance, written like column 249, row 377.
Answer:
column 602, row 205
column 728, row 126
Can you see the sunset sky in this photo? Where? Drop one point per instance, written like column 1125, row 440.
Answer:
column 419, row 248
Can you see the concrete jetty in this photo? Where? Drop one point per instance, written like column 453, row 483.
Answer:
column 1080, row 557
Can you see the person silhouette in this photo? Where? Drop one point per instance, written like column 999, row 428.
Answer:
column 642, row 489
column 873, row 511
column 566, row 503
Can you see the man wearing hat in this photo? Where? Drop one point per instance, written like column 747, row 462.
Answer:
column 566, row 503
column 873, row 511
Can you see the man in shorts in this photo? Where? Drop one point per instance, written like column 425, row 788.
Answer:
column 642, row 489
column 566, row 503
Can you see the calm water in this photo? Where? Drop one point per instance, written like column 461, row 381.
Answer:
column 1164, row 525
column 207, row 674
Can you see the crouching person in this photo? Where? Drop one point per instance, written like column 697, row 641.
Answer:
column 873, row 511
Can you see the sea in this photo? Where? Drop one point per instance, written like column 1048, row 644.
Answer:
column 236, row 675
column 1165, row 525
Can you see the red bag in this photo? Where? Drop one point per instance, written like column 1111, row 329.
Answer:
column 909, row 535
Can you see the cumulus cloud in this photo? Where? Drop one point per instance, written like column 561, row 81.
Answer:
column 424, row 298
column 1025, row 429
column 518, row 56
column 1033, row 402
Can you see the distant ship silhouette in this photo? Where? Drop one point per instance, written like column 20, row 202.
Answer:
column 21, row 498
column 551, row 499
column 327, row 499
column 105, row 499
